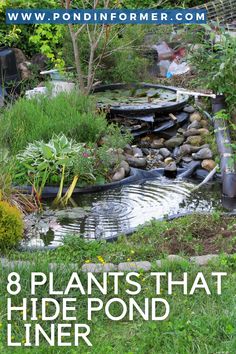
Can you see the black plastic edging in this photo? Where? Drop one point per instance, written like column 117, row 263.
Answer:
column 144, row 108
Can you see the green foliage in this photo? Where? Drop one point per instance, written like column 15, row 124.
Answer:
column 114, row 138
column 11, row 225
column 62, row 160
column 47, row 39
column 215, row 64
column 42, row 163
column 38, row 119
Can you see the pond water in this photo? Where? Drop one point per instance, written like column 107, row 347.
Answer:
column 119, row 210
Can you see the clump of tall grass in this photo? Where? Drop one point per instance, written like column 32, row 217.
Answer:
column 41, row 117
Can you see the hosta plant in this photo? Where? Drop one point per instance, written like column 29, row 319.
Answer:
column 42, row 163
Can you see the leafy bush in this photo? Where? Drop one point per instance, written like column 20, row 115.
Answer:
column 42, row 163
column 39, row 118
column 11, row 225
column 215, row 65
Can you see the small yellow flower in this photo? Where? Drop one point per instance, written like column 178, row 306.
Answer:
column 87, row 261
column 132, row 251
column 101, row 260
column 39, row 316
column 128, row 259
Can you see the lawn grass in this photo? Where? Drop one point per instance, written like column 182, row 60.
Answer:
column 197, row 324
column 190, row 235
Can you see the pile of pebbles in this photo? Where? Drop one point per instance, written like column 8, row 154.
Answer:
column 169, row 149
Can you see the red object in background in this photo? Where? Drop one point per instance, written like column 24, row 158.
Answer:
column 179, row 53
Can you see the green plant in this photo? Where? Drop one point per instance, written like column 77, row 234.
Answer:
column 11, row 225
column 215, row 65
column 43, row 162
column 8, row 192
column 38, row 119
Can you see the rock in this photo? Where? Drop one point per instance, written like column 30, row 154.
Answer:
column 145, row 142
column 40, row 60
column 20, row 56
column 194, row 125
column 146, row 151
column 159, row 157
column 134, row 266
column 194, row 140
column 188, row 149
column 119, row 175
column 203, row 131
column 181, row 131
column 203, row 154
column 25, row 73
column 125, row 165
column 189, row 109
column 128, row 149
column 98, row 268
column 195, row 116
column 135, row 161
column 176, row 153
column 157, row 143
column 187, row 159
column 168, row 160
column 165, row 152
column 203, row 260
column 191, row 132
column 208, row 164
column 173, row 142
column 137, row 152
column 204, row 123
column 185, row 149
column 171, row 167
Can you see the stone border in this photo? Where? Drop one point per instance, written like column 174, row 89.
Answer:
column 110, row 267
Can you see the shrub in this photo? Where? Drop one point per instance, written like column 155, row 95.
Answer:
column 11, row 225
column 39, row 118
column 215, row 65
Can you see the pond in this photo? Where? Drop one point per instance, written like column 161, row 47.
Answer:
column 106, row 214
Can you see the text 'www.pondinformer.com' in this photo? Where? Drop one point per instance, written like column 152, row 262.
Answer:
column 103, row 16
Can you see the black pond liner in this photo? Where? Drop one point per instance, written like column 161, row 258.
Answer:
column 145, row 108
column 136, row 176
